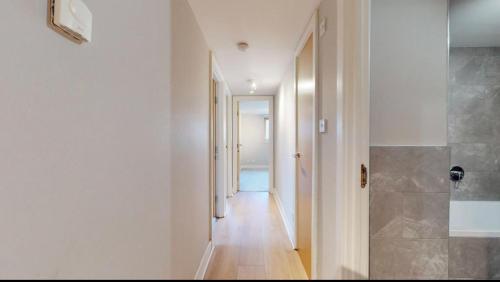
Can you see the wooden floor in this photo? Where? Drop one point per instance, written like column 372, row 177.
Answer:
column 251, row 243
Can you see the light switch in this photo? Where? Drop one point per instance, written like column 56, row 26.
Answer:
column 323, row 126
column 322, row 27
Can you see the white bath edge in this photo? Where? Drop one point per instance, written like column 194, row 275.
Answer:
column 473, row 234
column 475, row 219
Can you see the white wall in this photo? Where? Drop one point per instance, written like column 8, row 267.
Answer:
column 84, row 143
column 328, row 155
column 474, row 23
column 409, row 72
column 190, row 142
column 255, row 152
column 285, row 148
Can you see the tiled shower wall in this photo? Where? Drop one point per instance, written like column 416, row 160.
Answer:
column 474, row 139
column 474, row 121
column 409, row 212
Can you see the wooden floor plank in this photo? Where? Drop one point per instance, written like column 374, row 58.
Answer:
column 251, row 243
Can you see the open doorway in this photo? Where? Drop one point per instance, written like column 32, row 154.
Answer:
column 254, row 143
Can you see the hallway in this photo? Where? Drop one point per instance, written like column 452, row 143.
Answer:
column 251, row 242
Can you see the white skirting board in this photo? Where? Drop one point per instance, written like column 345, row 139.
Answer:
column 205, row 260
column 254, row 167
column 290, row 232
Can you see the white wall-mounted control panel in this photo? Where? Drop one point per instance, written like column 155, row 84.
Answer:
column 322, row 27
column 73, row 17
column 323, row 126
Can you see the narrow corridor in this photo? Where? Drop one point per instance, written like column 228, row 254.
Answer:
column 251, row 242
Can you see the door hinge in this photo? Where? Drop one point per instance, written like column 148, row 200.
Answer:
column 216, row 100
column 364, row 176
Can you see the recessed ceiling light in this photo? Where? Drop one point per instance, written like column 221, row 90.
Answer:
column 243, row 46
column 252, row 84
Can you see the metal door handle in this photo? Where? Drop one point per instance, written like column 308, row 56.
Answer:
column 364, row 176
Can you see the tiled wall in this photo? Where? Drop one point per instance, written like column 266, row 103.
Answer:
column 474, row 138
column 474, row 258
column 474, row 121
column 409, row 212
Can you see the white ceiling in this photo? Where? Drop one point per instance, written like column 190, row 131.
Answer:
column 254, row 107
column 271, row 27
column 475, row 23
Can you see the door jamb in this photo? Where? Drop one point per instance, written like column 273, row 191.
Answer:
column 353, row 87
column 211, row 150
column 220, row 106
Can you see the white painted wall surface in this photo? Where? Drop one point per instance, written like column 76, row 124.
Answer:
column 409, row 73
column 329, row 101
column 190, row 142
column 84, row 143
column 255, row 152
column 475, row 23
column 285, row 149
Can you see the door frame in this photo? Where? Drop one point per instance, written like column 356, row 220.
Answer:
column 218, row 207
column 219, row 104
column 211, row 146
column 353, row 109
column 235, row 131
column 353, row 135
column 311, row 30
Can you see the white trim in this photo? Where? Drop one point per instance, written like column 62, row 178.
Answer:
column 312, row 29
column 353, row 87
column 364, row 129
column 229, row 149
column 474, row 234
column 286, row 222
column 234, row 144
column 216, row 69
column 273, row 191
column 205, row 261
column 254, row 167
column 221, row 163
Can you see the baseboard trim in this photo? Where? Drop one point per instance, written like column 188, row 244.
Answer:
column 205, row 261
column 254, row 167
column 289, row 232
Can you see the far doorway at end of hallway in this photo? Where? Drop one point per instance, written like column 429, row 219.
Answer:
column 254, row 180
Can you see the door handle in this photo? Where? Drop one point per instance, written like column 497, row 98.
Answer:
column 364, row 176
column 297, row 155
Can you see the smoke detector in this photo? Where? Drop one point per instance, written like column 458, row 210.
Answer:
column 243, row 46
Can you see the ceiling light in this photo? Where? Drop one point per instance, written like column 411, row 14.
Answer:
column 253, row 85
column 243, row 46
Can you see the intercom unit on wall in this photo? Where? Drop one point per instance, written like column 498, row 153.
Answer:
column 71, row 18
